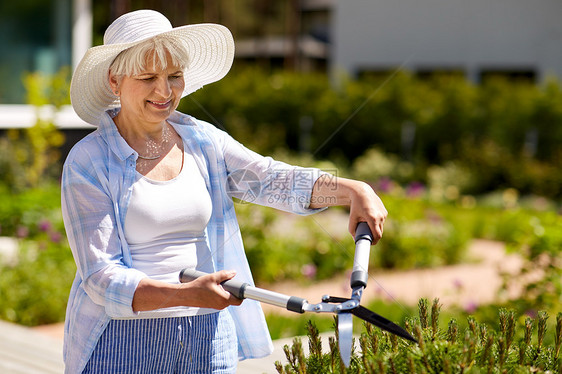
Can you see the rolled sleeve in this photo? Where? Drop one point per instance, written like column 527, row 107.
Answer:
column 120, row 292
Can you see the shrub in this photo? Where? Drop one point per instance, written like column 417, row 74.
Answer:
column 541, row 248
column 498, row 135
column 34, row 286
column 477, row 349
column 423, row 243
column 418, row 235
column 283, row 247
column 279, row 248
column 30, row 157
column 34, row 290
column 21, row 214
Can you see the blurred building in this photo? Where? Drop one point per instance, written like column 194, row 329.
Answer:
column 41, row 36
column 303, row 43
column 477, row 39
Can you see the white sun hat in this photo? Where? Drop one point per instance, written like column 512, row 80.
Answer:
column 210, row 47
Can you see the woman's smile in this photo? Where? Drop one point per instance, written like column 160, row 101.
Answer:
column 160, row 104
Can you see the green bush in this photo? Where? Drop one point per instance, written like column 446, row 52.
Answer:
column 497, row 135
column 34, row 290
column 419, row 234
column 23, row 213
column 422, row 243
column 34, row 286
column 478, row 349
column 30, row 157
column 541, row 247
column 281, row 247
column 284, row 247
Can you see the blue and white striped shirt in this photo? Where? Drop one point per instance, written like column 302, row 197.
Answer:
column 96, row 187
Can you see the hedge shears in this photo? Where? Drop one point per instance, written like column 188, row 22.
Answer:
column 344, row 308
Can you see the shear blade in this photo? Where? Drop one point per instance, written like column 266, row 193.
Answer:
column 382, row 323
column 345, row 334
column 375, row 319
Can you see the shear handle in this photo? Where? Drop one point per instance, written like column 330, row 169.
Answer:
column 363, row 241
column 243, row 290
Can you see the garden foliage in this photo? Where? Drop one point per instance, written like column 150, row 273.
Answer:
column 34, row 285
column 513, row 348
column 310, row 253
column 30, row 157
column 463, row 141
column 482, row 137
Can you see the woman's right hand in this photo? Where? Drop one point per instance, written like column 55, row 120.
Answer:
column 209, row 293
column 203, row 292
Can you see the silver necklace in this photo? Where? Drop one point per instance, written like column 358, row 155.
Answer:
column 151, row 145
column 149, row 157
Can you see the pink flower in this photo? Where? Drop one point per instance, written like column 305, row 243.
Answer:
column 44, row 225
column 415, row 189
column 384, row 185
column 470, row 307
column 309, row 271
column 22, row 232
column 55, row 236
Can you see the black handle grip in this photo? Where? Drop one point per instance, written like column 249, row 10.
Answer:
column 363, row 232
column 235, row 287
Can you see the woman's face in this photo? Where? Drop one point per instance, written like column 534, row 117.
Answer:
column 153, row 95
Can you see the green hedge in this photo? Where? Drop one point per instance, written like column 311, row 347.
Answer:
column 503, row 134
column 34, row 286
column 34, row 290
column 514, row 347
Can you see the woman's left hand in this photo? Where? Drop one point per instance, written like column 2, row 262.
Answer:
column 364, row 204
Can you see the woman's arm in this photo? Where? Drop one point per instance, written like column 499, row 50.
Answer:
column 364, row 204
column 204, row 292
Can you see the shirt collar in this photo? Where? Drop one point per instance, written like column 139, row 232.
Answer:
column 117, row 143
column 112, row 137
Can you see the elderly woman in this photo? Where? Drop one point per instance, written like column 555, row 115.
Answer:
column 150, row 192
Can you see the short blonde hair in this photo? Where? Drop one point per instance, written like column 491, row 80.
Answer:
column 132, row 61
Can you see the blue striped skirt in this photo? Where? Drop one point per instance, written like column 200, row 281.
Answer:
column 197, row 344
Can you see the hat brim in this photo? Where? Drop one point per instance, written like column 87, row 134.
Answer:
column 211, row 53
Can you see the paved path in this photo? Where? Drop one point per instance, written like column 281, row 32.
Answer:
column 26, row 350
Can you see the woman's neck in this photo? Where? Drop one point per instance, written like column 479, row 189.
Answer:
column 150, row 140
column 137, row 130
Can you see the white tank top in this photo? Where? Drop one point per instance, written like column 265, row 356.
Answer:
column 165, row 229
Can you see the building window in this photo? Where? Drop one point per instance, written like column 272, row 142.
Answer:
column 524, row 75
column 436, row 73
column 37, row 38
column 376, row 74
